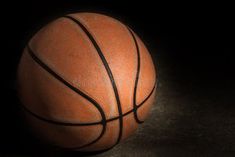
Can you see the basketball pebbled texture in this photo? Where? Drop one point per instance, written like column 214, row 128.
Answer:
column 85, row 82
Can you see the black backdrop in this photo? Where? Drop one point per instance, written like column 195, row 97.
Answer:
column 194, row 39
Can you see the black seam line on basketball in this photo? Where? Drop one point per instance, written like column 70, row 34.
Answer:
column 100, row 53
column 138, row 106
column 115, row 118
column 136, row 79
column 49, row 70
column 85, row 124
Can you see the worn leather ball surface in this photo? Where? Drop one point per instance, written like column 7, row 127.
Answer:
column 86, row 81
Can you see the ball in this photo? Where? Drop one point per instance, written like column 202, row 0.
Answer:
column 86, row 81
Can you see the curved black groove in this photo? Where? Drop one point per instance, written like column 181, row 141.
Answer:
column 108, row 71
column 138, row 106
column 136, row 79
column 85, row 124
column 45, row 67
column 58, row 122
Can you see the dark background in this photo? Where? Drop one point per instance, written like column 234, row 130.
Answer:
column 192, row 47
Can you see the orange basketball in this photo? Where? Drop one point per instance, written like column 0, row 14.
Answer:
column 85, row 82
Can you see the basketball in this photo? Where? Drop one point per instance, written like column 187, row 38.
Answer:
column 85, row 82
